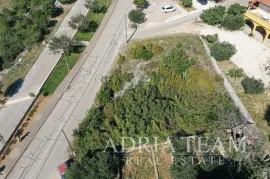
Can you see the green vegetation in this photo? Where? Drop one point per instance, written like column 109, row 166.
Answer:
column 236, row 73
column 211, row 38
column 60, row 71
column 236, row 9
column 20, row 31
column 85, row 33
column 100, row 165
column 233, row 19
column 187, row 3
column 174, row 99
column 140, row 3
column 252, row 86
column 167, row 104
column 222, row 51
column 136, row 16
column 214, row 15
column 92, row 22
column 233, row 22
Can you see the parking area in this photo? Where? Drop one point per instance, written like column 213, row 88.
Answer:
column 154, row 13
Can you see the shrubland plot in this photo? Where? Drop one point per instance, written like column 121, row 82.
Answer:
column 172, row 93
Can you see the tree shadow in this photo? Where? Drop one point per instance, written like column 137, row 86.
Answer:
column 24, row 136
column 267, row 114
column 2, row 168
column 57, row 12
column 1, row 63
column 14, row 88
column 52, row 23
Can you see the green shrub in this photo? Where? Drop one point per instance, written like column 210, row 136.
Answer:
column 187, row 3
column 136, row 16
column 222, row 51
column 236, row 73
column 140, row 3
column 211, row 38
column 25, row 124
column 233, row 22
column 32, row 112
column 134, row 26
column 145, row 54
column 178, row 60
column 142, row 52
column 157, row 49
column 214, row 15
column 252, row 86
column 135, row 50
column 236, row 9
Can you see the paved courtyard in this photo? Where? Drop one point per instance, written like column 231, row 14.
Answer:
column 252, row 55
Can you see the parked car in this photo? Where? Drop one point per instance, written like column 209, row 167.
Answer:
column 203, row 2
column 167, row 9
column 62, row 168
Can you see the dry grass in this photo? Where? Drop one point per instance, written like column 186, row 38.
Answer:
column 140, row 164
column 4, row 3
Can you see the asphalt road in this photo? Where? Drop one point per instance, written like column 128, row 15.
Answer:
column 19, row 103
column 46, row 150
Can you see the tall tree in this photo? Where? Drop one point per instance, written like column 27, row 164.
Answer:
column 62, row 44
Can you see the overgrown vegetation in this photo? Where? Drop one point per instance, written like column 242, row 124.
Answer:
column 252, row 86
column 23, row 25
column 236, row 73
column 222, row 51
column 187, row 3
column 181, row 95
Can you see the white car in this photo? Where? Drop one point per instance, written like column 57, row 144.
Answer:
column 166, row 9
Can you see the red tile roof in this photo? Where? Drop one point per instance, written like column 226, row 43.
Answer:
column 265, row 2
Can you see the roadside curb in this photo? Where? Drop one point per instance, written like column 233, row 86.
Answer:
column 68, row 79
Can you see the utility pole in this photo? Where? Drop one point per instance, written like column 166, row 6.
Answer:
column 66, row 61
column 68, row 141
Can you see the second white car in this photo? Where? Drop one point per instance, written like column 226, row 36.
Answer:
column 167, row 9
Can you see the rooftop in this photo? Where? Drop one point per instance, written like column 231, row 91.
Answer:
column 265, row 2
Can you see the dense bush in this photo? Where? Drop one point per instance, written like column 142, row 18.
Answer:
column 102, row 165
column 214, row 15
column 157, row 49
column 178, row 59
column 140, row 3
column 136, row 16
column 236, row 73
column 236, row 9
column 223, row 51
column 211, row 38
column 233, row 22
column 19, row 31
column 141, row 52
column 252, row 86
column 187, row 3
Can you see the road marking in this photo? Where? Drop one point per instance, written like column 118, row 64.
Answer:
column 18, row 100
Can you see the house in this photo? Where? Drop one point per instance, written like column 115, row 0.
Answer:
column 259, row 14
